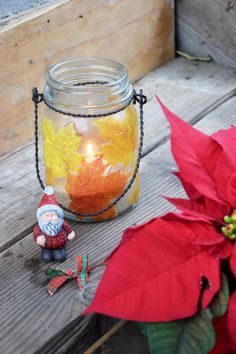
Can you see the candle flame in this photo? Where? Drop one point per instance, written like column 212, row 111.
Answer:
column 90, row 153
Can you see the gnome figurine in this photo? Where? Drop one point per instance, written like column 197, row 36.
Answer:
column 51, row 232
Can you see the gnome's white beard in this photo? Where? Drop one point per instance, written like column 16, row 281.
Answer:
column 50, row 228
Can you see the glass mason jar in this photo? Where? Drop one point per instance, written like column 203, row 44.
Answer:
column 90, row 160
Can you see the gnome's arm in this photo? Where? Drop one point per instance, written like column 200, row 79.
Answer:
column 68, row 230
column 38, row 236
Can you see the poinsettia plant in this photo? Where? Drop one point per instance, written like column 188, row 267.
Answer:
column 176, row 274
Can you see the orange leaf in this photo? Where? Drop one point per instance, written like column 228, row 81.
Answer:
column 92, row 190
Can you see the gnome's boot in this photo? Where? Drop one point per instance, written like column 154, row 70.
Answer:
column 59, row 254
column 47, row 255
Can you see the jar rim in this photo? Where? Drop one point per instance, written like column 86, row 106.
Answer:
column 93, row 62
column 81, row 85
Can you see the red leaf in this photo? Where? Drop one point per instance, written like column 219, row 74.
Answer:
column 220, row 247
column 155, row 272
column 226, row 164
column 191, row 191
column 231, row 320
column 203, row 207
column 192, row 207
column 226, row 138
column 222, row 345
column 192, row 148
column 231, row 189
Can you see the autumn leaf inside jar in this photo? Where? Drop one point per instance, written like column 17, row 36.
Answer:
column 91, row 138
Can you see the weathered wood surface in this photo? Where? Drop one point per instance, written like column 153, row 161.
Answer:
column 76, row 28
column 189, row 89
column 30, row 320
column 207, row 28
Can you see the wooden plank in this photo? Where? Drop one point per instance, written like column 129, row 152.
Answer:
column 76, row 337
column 189, row 89
column 76, row 28
column 80, row 341
column 23, row 292
column 207, row 28
column 80, row 335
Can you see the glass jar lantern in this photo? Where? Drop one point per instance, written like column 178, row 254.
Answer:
column 91, row 138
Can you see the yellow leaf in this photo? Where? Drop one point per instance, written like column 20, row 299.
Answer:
column 49, row 176
column 122, row 136
column 60, row 150
column 135, row 190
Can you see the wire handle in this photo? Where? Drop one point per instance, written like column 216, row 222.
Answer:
column 38, row 98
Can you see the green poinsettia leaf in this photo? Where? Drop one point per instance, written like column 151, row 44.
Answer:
column 219, row 304
column 193, row 335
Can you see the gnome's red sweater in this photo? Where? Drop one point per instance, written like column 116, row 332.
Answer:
column 57, row 241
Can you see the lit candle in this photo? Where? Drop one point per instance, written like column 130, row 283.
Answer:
column 90, row 153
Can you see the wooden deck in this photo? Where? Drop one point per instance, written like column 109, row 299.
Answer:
column 31, row 321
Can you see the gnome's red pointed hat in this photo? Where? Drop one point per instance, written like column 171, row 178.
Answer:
column 49, row 203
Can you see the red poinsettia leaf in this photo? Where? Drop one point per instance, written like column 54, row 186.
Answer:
column 195, row 154
column 226, row 138
column 222, row 249
column 155, row 273
column 188, row 217
column 231, row 189
column 232, row 260
column 206, row 208
column 221, row 345
column 231, row 321
column 192, row 207
column 188, row 187
column 226, row 164
column 216, row 209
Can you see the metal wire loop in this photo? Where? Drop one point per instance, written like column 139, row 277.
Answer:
column 36, row 96
column 140, row 98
